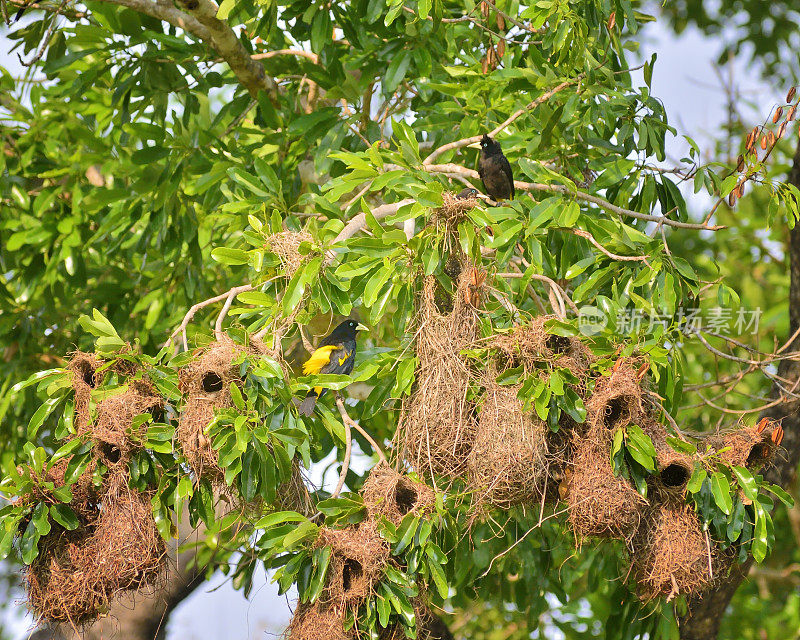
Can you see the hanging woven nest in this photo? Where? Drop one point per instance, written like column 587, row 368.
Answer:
column 438, row 422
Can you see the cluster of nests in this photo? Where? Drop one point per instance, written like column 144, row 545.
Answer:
column 359, row 558
column 117, row 546
column 460, row 425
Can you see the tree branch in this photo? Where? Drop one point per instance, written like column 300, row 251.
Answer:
column 561, row 189
column 532, row 105
column 199, row 18
column 360, row 221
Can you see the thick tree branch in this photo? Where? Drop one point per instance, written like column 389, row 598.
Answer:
column 167, row 13
column 703, row 621
column 450, row 168
column 199, row 18
column 360, row 221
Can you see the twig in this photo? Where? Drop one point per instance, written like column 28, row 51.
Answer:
column 585, row 234
column 47, row 37
column 554, row 286
column 532, row 105
column 218, row 334
column 359, row 222
column 580, row 195
column 240, row 117
column 200, row 305
column 347, row 419
column 306, row 342
column 286, row 52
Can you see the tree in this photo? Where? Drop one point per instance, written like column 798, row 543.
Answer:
column 287, row 165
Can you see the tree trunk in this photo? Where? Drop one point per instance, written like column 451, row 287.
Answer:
column 705, row 614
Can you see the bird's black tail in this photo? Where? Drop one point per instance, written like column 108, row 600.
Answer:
column 306, row 407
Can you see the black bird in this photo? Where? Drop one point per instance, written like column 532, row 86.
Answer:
column 494, row 170
column 466, row 194
column 335, row 354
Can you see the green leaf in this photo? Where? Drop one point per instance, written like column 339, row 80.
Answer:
column 779, row 493
column 746, row 482
column 280, row 517
column 696, row 481
column 721, row 489
column 40, row 518
column 29, row 543
column 64, row 516
column 396, row 71
column 225, row 255
column 248, row 181
column 40, row 416
column 236, row 396
column 760, row 544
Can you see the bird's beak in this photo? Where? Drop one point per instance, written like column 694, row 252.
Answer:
column 361, row 327
column 474, row 145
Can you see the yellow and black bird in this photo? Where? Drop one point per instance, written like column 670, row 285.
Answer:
column 495, row 171
column 335, row 354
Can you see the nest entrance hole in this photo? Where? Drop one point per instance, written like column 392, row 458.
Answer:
column 617, row 411
column 760, row 452
column 558, row 344
column 352, row 572
column 406, row 497
column 211, row 382
column 675, row 475
column 110, row 452
column 88, row 375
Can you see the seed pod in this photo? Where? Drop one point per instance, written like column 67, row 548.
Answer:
column 612, row 20
column 771, row 137
column 790, row 115
column 740, row 164
column 485, row 9
column 501, row 48
column 741, row 190
column 501, row 22
column 777, row 116
column 732, row 199
column 790, row 95
column 485, row 64
column 763, row 142
column 782, row 129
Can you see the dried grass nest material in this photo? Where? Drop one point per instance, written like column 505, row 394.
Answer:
column 529, row 345
column 616, row 400
column 78, row 573
column 317, row 622
column 674, row 467
column 83, row 368
column 599, row 504
column 359, row 556
column 745, row 446
column 670, row 555
column 286, row 245
column 392, row 495
column 111, row 429
column 320, row 622
column 206, row 384
column 515, row 454
column 438, row 421
column 453, row 210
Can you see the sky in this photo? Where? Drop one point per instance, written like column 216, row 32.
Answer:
column 686, row 80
